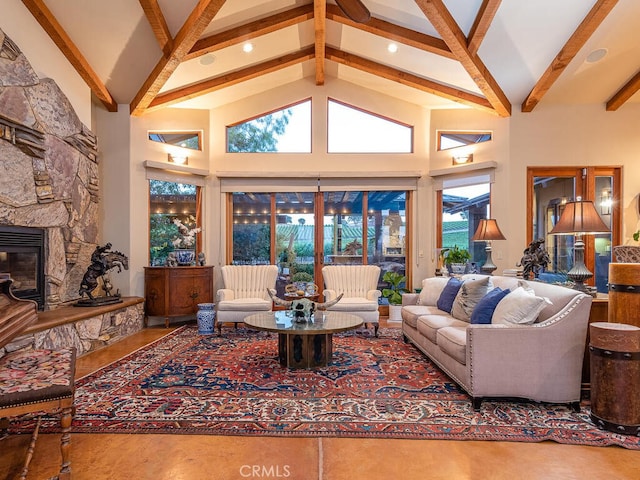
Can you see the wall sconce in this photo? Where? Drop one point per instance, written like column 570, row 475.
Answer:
column 462, row 159
column 605, row 202
column 178, row 159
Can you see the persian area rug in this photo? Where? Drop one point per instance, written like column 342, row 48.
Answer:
column 376, row 388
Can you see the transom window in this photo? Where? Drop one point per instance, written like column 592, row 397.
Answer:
column 287, row 130
column 352, row 130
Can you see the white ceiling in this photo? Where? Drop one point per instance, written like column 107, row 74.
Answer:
column 525, row 36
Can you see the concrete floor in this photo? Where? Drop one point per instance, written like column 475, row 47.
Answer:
column 195, row 457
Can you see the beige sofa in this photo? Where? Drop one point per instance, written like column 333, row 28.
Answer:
column 540, row 361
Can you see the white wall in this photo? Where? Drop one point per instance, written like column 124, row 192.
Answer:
column 560, row 135
column 566, row 135
column 45, row 57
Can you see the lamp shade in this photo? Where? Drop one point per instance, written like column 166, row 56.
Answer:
column 487, row 230
column 579, row 217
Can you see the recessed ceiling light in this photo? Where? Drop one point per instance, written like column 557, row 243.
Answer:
column 247, row 47
column 392, row 47
column 207, row 59
column 597, row 55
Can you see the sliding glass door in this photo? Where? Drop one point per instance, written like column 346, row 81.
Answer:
column 303, row 231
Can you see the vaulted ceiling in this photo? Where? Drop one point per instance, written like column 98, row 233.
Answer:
column 492, row 55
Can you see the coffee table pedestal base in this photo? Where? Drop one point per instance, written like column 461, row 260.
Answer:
column 305, row 351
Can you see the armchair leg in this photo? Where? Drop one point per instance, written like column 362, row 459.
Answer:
column 375, row 329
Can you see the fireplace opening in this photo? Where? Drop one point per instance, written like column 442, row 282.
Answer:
column 22, row 260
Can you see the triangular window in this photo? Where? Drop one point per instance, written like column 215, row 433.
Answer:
column 352, row 130
column 287, row 130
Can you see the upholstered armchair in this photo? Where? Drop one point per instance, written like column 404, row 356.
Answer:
column 359, row 285
column 244, row 292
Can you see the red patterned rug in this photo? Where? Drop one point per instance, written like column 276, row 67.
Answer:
column 375, row 388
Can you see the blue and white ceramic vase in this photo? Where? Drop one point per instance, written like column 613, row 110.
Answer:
column 185, row 257
column 206, row 318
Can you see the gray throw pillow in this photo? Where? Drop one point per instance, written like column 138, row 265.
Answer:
column 468, row 296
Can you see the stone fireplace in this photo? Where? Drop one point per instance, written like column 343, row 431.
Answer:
column 22, row 259
column 48, row 174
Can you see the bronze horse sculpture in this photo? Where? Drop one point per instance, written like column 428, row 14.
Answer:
column 102, row 261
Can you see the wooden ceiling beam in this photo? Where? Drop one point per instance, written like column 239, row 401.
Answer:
column 409, row 79
column 251, row 30
column 624, row 94
column 320, row 27
column 438, row 15
column 59, row 36
column 158, row 24
column 481, row 24
column 393, row 32
column 190, row 32
column 591, row 22
column 232, row 78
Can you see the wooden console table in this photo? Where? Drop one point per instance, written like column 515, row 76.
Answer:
column 176, row 291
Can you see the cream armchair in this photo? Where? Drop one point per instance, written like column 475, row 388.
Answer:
column 244, row 292
column 359, row 284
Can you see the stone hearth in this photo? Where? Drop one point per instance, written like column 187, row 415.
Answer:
column 48, row 172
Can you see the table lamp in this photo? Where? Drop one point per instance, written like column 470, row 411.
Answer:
column 488, row 230
column 579, row 218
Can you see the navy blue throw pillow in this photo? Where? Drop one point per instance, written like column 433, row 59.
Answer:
column 448, row 295
column 483, row 311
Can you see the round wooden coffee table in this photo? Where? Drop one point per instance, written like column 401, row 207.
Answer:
column 308, row 344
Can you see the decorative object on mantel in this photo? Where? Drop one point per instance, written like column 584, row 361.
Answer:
column 303, row 308
column 488, row 230
column 534, row 259
column 184, row 244
column 579, row 218
column 103, row 260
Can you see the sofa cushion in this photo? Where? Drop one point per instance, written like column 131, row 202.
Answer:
column 431, row 290
column 448, row 295
column 453, row 342
column 519, row 307
column 468, row 296
column 428, row 325
column 484, row 309
column 410, row 313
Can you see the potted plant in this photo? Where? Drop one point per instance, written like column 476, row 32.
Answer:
column 456, row 259
column 394, row 293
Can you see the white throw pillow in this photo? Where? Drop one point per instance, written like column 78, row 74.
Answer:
column 520, row 307
column 431, row 290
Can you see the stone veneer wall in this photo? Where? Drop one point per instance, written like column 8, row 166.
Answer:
column 48, row 172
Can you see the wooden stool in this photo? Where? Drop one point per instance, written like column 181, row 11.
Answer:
column 40, row 381
column 615, row 377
